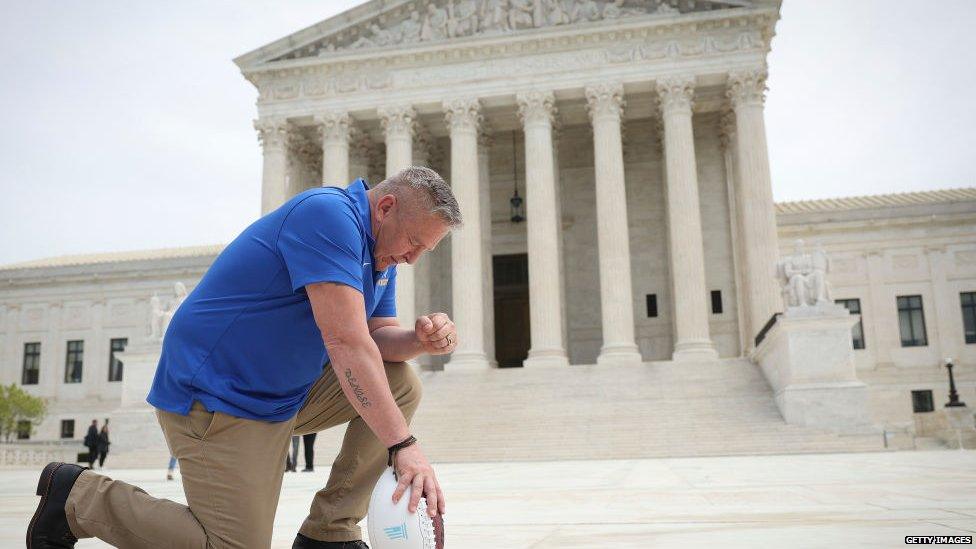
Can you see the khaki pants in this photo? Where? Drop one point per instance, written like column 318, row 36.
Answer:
column 232, row 470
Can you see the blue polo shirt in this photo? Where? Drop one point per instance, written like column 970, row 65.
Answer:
column 244, row 341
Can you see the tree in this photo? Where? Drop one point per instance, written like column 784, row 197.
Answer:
column 18, row 405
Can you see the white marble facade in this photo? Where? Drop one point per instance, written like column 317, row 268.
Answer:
column 882, row 247
column 635, row 133
column 94, row 299
column 605, row 100
column 99, row 297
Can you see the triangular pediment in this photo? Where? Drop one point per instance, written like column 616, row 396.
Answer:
column 385, row 24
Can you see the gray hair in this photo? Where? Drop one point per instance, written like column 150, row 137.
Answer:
column 429, row 189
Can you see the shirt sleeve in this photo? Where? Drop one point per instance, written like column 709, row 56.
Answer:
column 387, row 305
column 320, row 241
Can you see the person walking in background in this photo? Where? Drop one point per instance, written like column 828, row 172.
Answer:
column 291, row 460
column 91, row 441
column 103, row 443
column 170, row 468
column 309, row 441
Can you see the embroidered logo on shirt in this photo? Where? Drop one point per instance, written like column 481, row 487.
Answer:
column 382, row 281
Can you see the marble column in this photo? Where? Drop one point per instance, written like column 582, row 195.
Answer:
column 881, row 318
column 335, row 148
column 557, row 133
column 14, row 348
column 691, row 334
column 305, row 165
column 537, row 111
column 463, row 119
column 945, row 304
column 727, row 144
column 273, row 135
column 485, row 142
column 606, row 102
column 398, row 124
column 52, row 385
column 101, row 346
column 757, row 212
column 423, row 142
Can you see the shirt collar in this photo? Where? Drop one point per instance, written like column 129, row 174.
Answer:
column 357, row 190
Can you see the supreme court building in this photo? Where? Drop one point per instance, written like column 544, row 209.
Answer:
column 634, row 132
column 611, row 164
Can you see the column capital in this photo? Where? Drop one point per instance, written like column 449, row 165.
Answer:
column 463, row 114
column 557, row 130
column 423, row 144
column 273, row 132
column 335, row 125
column 605, row 99
column 657, row 125
column 308, row 151
column 398, row 120
column 747, row 87
column 726, row 129
column 535, row 107
column 676, row 93
column 362, row 146
column 486, row 137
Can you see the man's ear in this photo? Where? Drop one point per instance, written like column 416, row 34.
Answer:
column 386, row 204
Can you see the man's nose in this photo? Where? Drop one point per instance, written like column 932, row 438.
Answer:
column 412, row 257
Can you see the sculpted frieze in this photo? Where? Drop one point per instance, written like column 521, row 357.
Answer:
column 314, row 85
column 121, row 314
column 648, row 50
column 517, row 58
column 436, row 20
column 32, row 318
column 76, row 317
column 965, row 257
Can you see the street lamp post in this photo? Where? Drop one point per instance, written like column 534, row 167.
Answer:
column 953, row 394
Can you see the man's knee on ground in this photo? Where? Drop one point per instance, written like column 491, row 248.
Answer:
column 405, row 384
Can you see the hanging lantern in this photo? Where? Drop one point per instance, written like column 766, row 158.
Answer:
column 518, row 212
column 516, row 203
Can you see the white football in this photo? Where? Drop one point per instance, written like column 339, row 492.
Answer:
column 391, row 526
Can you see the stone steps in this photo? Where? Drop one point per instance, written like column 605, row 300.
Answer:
column 658, row 409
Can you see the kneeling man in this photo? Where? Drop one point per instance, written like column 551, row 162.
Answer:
column 241, row 371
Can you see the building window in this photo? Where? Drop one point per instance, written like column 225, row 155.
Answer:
column 32, row 364
column 651, row 305
column 73, row 361
column 716, row 302
column 23, row 430
column 969, row 315
column 114, row 364
column 911, row 321
column 857, row 332
column 922, row 402
column 67, row 428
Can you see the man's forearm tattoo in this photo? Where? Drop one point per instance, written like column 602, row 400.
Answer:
column 360, row 393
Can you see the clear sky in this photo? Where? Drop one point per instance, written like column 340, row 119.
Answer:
column 126, row 125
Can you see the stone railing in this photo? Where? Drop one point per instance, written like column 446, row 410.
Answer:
column 31, row 454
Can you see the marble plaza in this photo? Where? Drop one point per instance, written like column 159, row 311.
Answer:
column 823, row 500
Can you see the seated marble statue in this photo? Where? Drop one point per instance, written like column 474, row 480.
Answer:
column 803, row 277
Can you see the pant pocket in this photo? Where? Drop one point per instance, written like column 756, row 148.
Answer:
column 199, row 421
